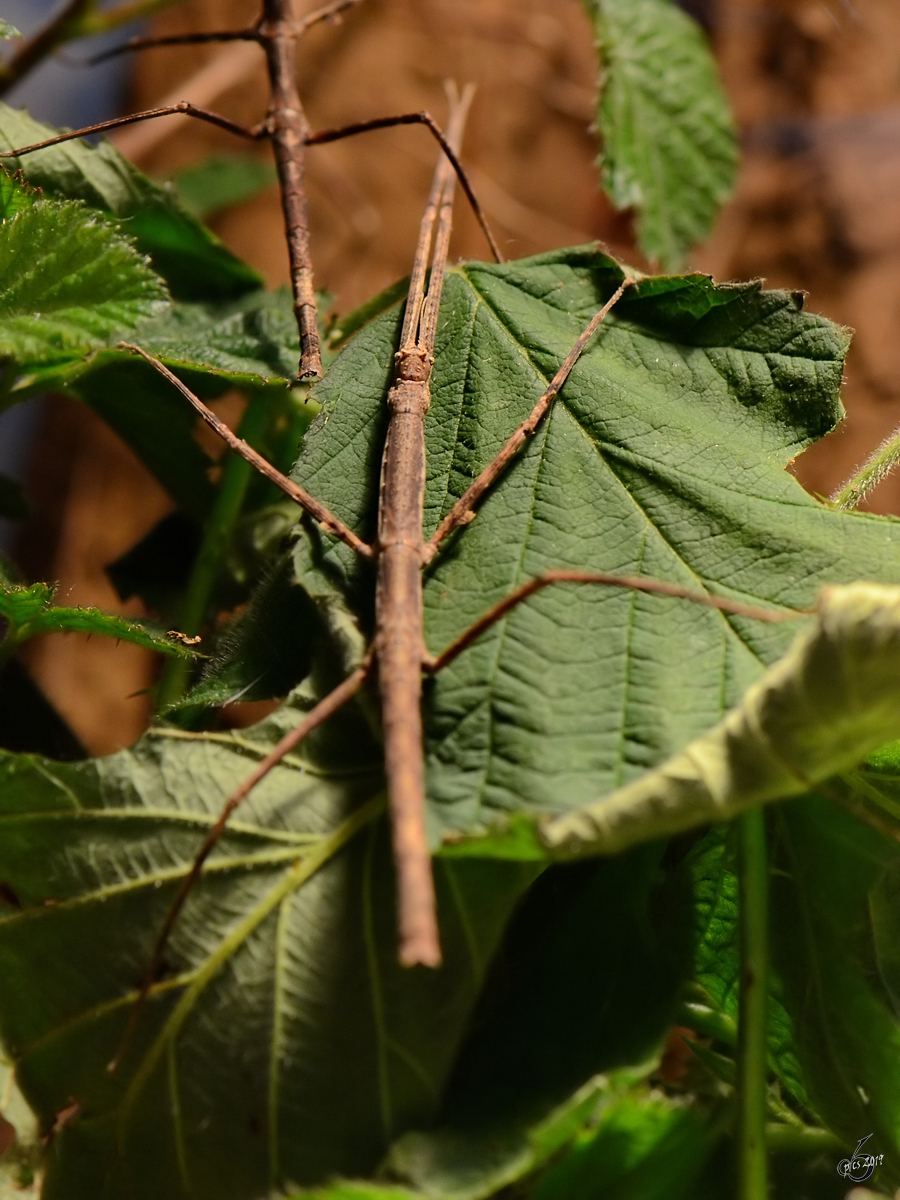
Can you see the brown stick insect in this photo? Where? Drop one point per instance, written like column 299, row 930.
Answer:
column 398, row 652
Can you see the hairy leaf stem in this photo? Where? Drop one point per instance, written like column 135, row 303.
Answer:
column 236, row 475
column 753, row 875
column 880, row 463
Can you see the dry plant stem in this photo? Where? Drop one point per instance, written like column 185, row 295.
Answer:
column 398, row 637
column 463, row 511
column 880, row 463
column 638, row 583
column 329, row 522
column 326, row 708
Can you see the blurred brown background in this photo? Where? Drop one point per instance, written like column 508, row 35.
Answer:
column 816, row 89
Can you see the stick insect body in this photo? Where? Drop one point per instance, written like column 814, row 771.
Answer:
column 400, row 553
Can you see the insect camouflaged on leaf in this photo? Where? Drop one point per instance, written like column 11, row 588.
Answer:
column 398, row 649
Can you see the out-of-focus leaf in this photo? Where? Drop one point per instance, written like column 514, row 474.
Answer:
column 834, row 889
column 453, row 1164
column 645, row 1145
column 15, row 194
column 221, row 181
column 831, row 701
column 30, row 611
column 712, row 871
column 194, row 263
column 669, row 142
column 70, row 283
column 8, row 31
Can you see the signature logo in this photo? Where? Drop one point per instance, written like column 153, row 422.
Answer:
column 859, row 1166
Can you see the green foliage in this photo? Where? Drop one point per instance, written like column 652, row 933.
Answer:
column 29, row 611
column 8, row 31
column 281, row 1045
column 222, row 181
column 71, row 283
column 669, row 147
column 193, row 262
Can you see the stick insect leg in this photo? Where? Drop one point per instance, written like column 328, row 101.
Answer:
column 329, row 522
column 463, row 511
column 184, row 108
column 638, row 583
column 416, row 118
column 326, row 708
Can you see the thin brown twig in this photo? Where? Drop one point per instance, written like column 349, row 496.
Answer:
column 463, row 511
column 638, row 583
column 326, row 708
column 329, row 522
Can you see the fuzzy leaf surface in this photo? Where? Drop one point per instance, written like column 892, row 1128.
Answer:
column 664, row 456
column 283, row 1042
column 669, row 147
column 193, row 261
column 71, row 282
column 29, row 611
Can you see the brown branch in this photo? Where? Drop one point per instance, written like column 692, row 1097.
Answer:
column 323, row 710
column 463, row 511
column 323, row 136
column 329, row 522
column 184, row 108
column 635, row 582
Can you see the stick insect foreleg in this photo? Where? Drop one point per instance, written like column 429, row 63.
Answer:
column 463, row 511
column 329, row 522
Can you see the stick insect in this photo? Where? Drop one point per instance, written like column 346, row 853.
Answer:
column 400, row 553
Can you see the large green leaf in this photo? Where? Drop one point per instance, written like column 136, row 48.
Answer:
column 669, row 143
column 192, row 260
column 283, row 1041
column 663, row 456
column 70, row 283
